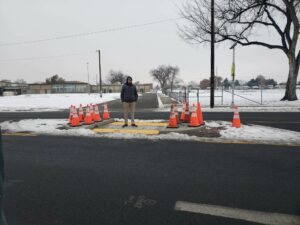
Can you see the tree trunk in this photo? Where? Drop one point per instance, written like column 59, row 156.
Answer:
column 290, row 90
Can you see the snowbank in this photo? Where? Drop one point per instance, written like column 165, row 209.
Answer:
column 51, row 102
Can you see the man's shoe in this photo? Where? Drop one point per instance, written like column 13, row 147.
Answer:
column 125, row 125
column 133, row 125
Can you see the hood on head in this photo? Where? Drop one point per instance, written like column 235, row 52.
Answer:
column 129, row 77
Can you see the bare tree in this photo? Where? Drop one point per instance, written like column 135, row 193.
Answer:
column 261, row 80
column 205, row 83
column 20, row 81
column 55, row 79
column 165, row 75
column 218, row 81
column 116, row 77
column 239, row 20
column 173, row 75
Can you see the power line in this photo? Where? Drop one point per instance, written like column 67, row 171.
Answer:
column 88, row 33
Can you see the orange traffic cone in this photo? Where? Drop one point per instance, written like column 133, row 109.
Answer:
column 236, row 122
column 88, row 117
column 81, row 113
column 91, row 110
column 96, row 117
column 194, row 119
column 75, row 119
column 105, row 112
column 199, row 114
column 176, row 112
column 183, row 111
column 71, row 114
column 187, row 116
column 173, row 121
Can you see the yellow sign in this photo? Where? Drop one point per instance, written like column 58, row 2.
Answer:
column 233, row 70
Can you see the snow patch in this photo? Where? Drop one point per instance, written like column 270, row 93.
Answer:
column 160, row 104
column 51, row 102
column 256, row 133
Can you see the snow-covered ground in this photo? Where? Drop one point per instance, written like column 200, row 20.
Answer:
column 247, row 133
column 271, row 101
column 51, row 102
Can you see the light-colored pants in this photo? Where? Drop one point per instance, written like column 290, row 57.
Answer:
column 129, row 107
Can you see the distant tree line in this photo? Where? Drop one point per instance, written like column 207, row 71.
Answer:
column 260, row 80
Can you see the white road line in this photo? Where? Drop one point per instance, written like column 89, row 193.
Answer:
column 241, row 214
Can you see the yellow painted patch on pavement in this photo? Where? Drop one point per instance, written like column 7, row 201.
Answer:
column 149, row 124
column 126, row 131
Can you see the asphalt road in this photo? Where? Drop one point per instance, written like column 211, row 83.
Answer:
column 92, row 181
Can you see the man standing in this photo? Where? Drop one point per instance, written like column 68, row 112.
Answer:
column 129, row 98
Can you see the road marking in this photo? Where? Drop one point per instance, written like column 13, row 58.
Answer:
column 241, row 214
column 126, row 131
column 20, row 134
column 149, row 124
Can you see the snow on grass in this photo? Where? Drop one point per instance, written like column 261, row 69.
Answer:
column 44, row 126
column 248, row 133
column 256, row 133
column 51, row 102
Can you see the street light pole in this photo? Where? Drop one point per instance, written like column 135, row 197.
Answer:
column 233, row 72
column 100, row 81
column 88, row 75
column 212, row 59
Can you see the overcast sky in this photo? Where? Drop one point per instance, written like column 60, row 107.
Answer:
column 133, row 51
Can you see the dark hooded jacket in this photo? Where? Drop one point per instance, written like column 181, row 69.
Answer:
column 129, row 92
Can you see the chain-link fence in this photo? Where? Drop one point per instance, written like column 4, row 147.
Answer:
column 223, row 97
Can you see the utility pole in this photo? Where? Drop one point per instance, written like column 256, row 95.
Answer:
column 97, row 83
column 212, row 59
column 100, row 78
column 88, row 75
column 233, row 72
